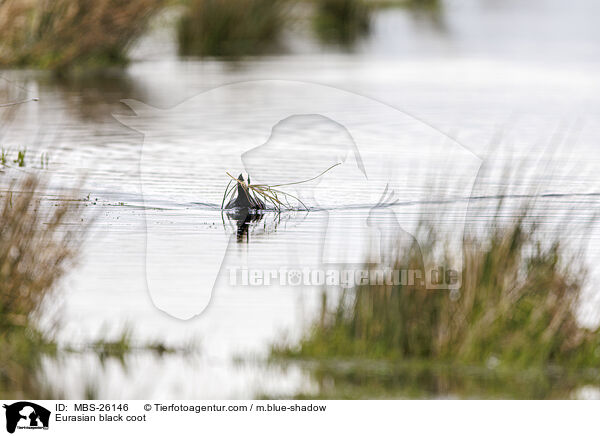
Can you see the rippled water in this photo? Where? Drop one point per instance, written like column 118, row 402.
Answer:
column 436, row 105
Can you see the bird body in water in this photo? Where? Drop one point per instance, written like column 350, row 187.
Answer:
column 244, row 198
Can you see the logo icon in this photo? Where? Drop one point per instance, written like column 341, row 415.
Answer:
column 26, row 415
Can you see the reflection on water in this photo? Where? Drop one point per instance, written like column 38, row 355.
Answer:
column 430, row 380
column 431, row 15
column 92, row 97
column 243, row 218
column 256, row 225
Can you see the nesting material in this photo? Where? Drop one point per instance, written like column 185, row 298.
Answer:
column 245, row 195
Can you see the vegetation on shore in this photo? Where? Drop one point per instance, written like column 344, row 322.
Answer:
column 63, row 35
column 36, row 249
column 341, row 21
column 68, row 36
column 38, row 246
column 231, row 27
column 515, row 316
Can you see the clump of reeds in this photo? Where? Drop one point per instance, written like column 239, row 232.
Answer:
column 37, row 246
column 516, row 311
column 341, row 21
column 231, row 27
column 62, row 34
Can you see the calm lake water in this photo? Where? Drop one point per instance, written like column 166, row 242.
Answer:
column 435, row 106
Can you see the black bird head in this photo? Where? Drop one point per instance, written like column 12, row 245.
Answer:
column 241, row 191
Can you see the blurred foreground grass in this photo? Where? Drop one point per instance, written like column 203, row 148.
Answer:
column 511, row 331
column 36, row 250
column 40, row 242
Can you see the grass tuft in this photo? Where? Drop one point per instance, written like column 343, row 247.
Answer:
column 3, row 156
column 515, row 317
column 65, row 34
column 231, row 27
column 20, row 160
column 36, row 249
column 341, row 21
